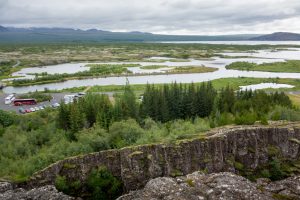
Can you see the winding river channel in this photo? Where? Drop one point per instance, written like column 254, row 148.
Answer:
column 261, row 56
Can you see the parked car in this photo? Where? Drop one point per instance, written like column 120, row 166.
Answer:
column 32, row 109
column 47, row 106
column 36, row 108
column 22, row 110
column 55, row 105
column 28, row 111
column 41, row 107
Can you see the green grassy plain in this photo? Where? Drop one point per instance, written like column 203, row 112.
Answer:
column 218, row 84
column 290, row 66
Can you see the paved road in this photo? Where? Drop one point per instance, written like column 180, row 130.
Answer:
column 294, row 92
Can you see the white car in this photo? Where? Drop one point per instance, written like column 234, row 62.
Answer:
column 32, row 109
column 36, row 108
column 41, row 107
column 55, row 105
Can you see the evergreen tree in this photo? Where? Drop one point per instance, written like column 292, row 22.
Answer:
column 76, row 118
column 128, row 103
column 63, row 119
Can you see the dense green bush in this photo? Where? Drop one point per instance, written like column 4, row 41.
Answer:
column 247, row 118
column 124, row 133
column 6, row 119
column 102, row 185
column 61, row 184
column 68, row 187
column 284, row 113
column 31, row 142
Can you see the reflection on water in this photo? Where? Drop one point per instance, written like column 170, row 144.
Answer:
column 265, row 85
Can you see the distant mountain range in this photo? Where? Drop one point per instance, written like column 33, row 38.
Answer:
column 279, row 36
column 58, row 35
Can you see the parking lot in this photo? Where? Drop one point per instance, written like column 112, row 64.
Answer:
column 57, row 97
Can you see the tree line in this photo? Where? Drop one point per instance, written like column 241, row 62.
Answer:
column 171, row 102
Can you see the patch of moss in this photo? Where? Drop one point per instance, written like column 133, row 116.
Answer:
column 20, row 179
column 135, row 153
column 190, row 182
column 251, row 150
column 265, row 173
column 161, row 159
column 239, row 166
column 230, row 161
column 176, row 172
column 204, row 171
column 149, row 157
column 282, row 197
column 294, row 140
column 69, row 166
column 261, row 188
column 207, row 158
column 273, row 151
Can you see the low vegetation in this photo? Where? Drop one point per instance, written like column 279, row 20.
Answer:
column 166, row 114
column 295, row 98
column 108, row 69
column 6, row 67
column 34, row 55
column 192, row 69
column 234, row 83
column 292, row 66
column 154, row 66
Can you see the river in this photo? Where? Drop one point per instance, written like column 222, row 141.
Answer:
column 261, row 56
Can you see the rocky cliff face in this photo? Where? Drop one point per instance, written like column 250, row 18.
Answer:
column 8, row 192
column 250, row 147
column 198, row 186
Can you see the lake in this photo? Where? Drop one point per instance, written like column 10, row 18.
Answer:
column 265, row 86
column 262, row 56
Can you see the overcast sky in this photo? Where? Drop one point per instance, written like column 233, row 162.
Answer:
column 156, row 16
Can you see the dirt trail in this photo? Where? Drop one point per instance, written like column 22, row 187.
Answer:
column 87, row 88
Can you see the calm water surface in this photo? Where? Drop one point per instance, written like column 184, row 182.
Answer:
column 263, row 56
column 265, row 86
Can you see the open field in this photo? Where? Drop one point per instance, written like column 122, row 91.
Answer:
column 192, row 69
column 31, row 55
column 295, row 98
column 290, row 66
column 218, row 84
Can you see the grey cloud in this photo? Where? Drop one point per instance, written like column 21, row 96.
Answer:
column 160, row 16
